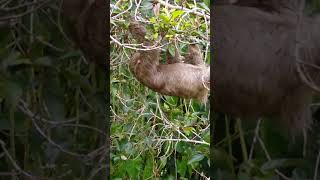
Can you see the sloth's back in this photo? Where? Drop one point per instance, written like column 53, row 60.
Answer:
column 253, row 66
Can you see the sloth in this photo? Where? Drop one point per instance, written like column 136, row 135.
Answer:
column 86, row 24
column 259, row 76
column 188, row 79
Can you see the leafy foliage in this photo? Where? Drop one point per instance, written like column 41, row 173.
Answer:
column 51, row 99
column 155, row 136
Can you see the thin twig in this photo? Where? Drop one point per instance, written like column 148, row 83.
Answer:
column 16, row 16
column 315, row 177
column 269, row 158
column 123, row 12
column 140, row 49
column 32, row 116
column 242, row 140
column 14, row 163
column 183, row 140
column 256, row 134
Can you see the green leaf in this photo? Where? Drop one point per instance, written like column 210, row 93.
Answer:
column 164, row 18
column 205, row 5
column 10, row 90
column 77, row 80
column 243, row 176
column 196, row 158
column 273, row 164
column 12, row 56
column 221, row 159
column 54, row 99
column 133, row 167
column 182, row 166
column 146, row 5
column 148, row 168
column 155, row 35
column 153, row 20
column 188, row 130
column 169, row 36
column 17, row 62
column 176, row 14
column 163, row 161
column 43, row 61
column 298, row 174
column 13, row 60
column 71, row 54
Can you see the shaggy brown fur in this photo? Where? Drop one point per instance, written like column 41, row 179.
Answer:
column 87, row 27
column 176, row 59
column 268, row 5
column 177, row 79
column 194, row 55
column 254, row 65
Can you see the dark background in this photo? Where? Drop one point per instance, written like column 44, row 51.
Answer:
column 53, row 89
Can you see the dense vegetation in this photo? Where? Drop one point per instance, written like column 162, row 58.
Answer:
column 153, row 135
column 52, row 104
column 161, row 137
